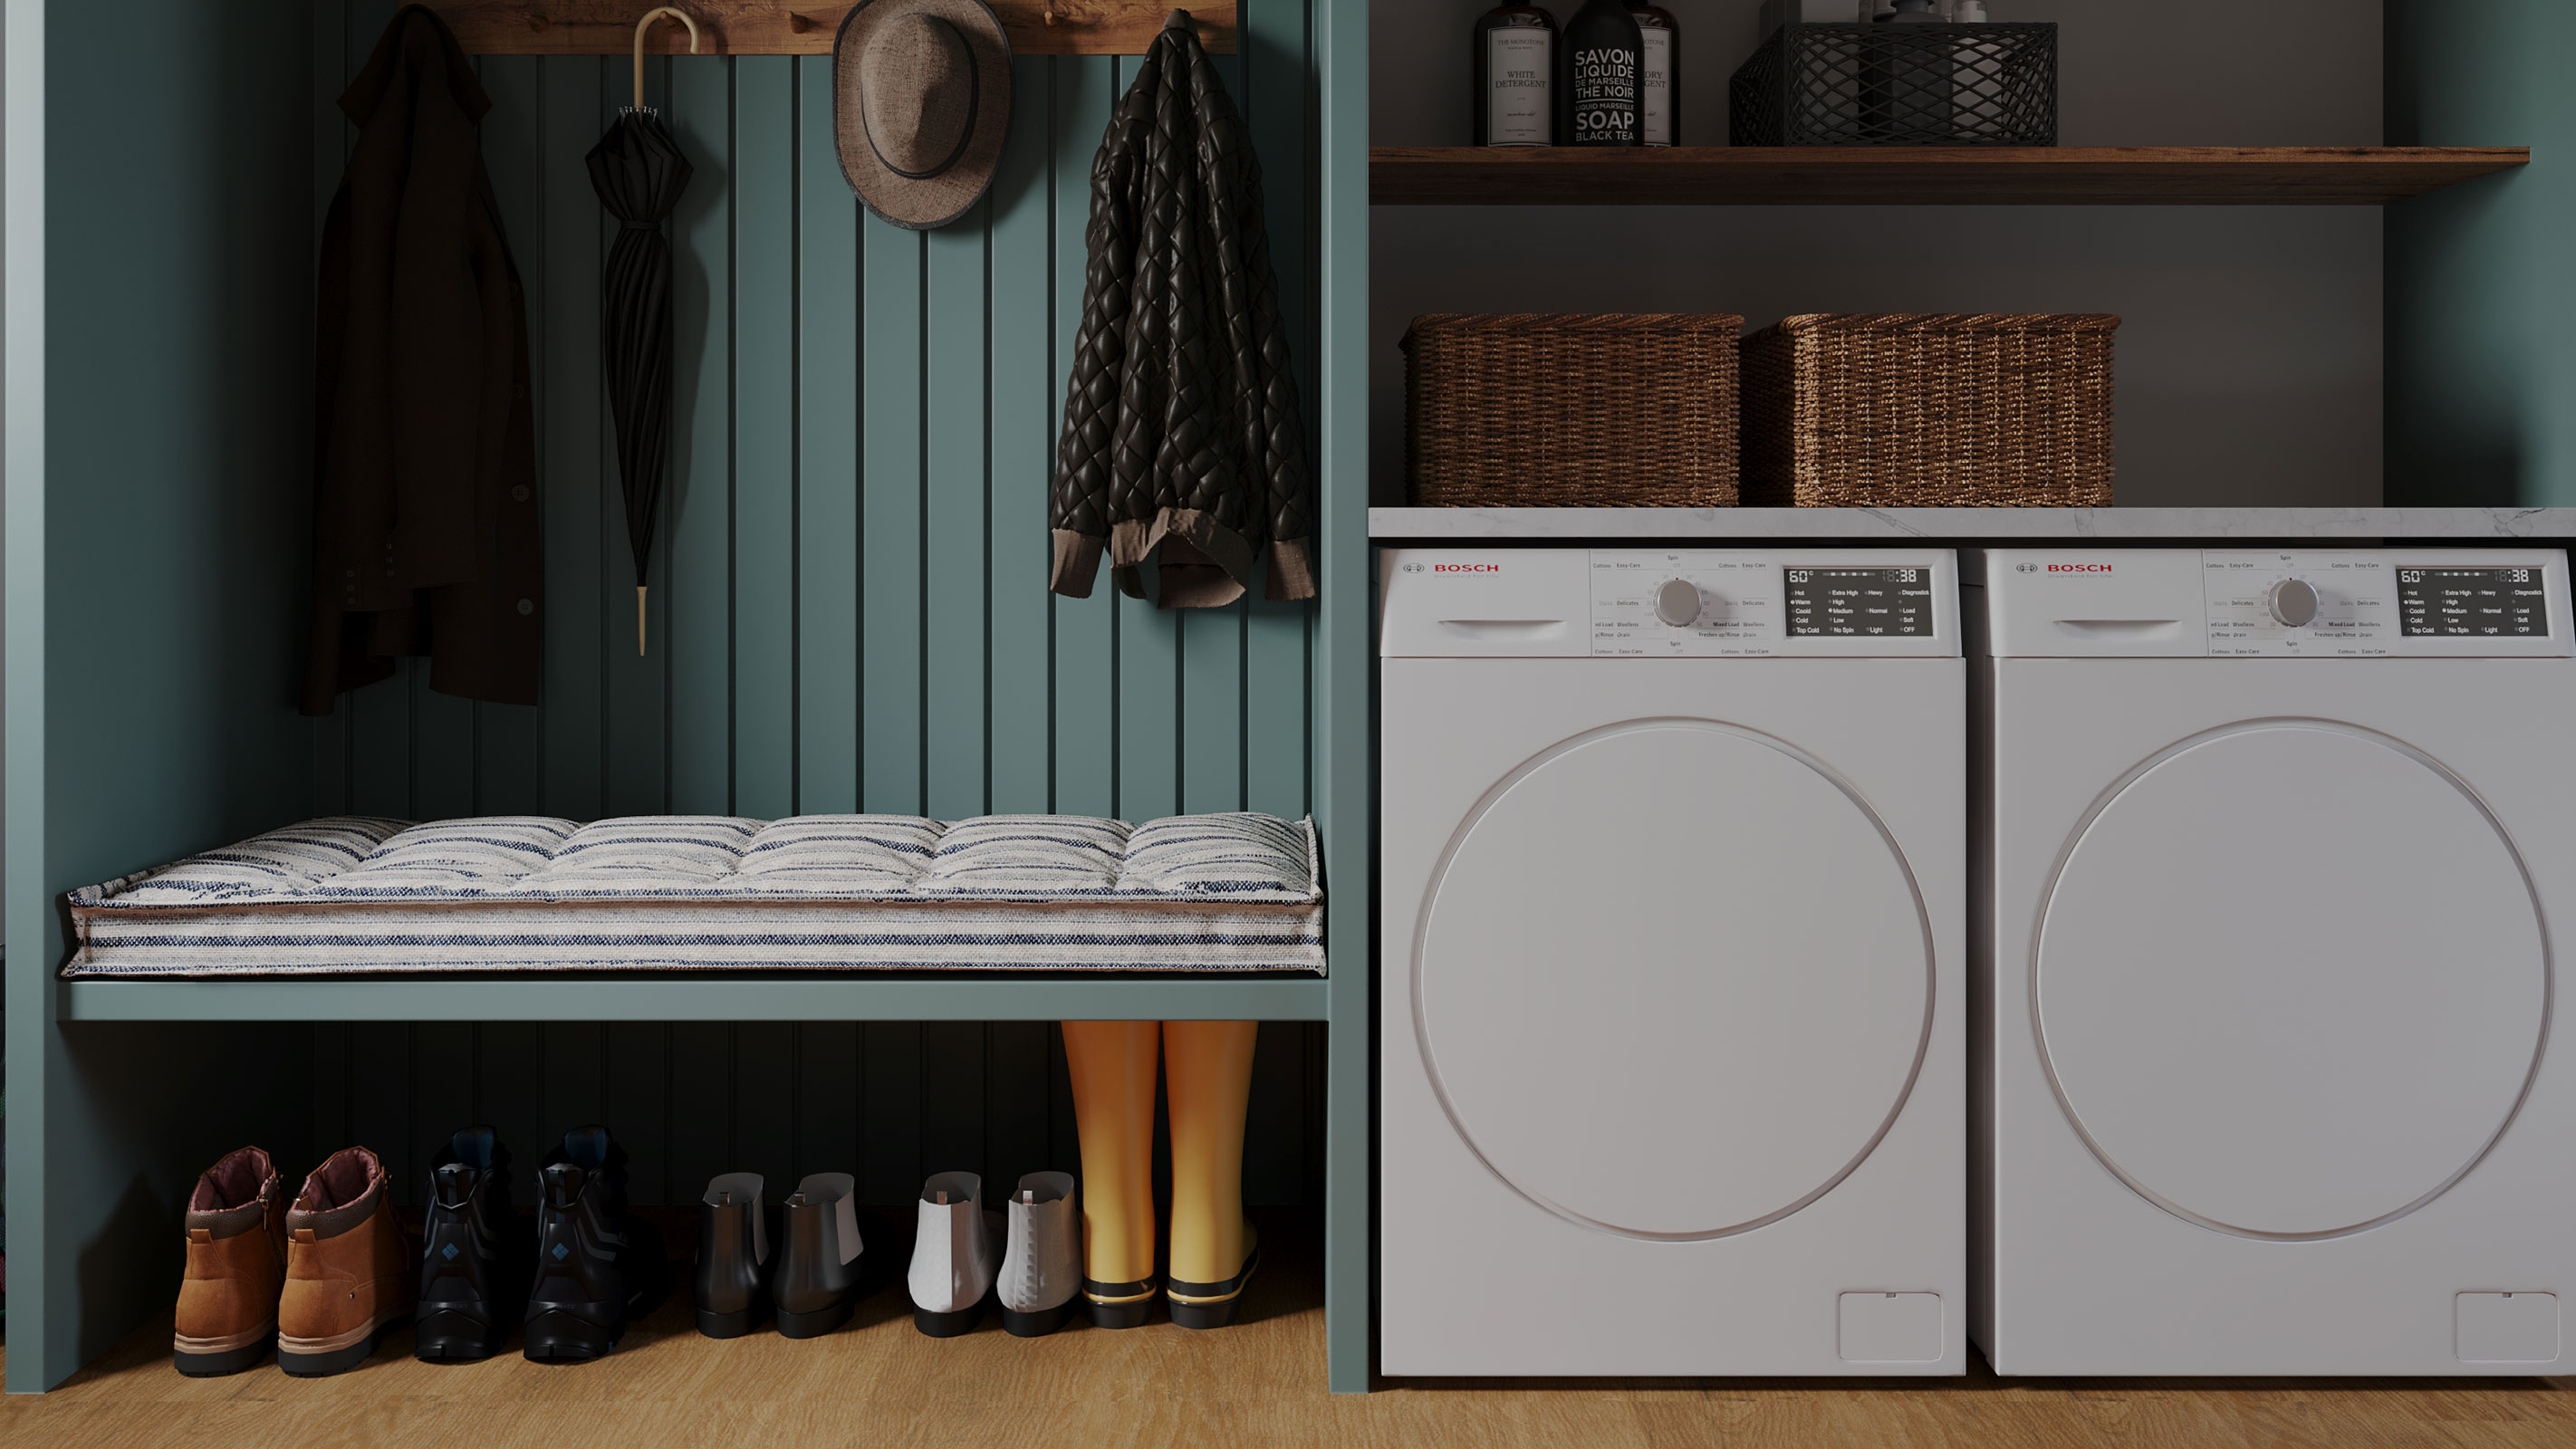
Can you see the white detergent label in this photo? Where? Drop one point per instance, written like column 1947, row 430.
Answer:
column 1520, row 110
column 1658, row 88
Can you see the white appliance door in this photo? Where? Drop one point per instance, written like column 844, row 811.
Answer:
column 2272, row 1085
column 1668, row 1080
column 2290, row 979
column 1673, row 979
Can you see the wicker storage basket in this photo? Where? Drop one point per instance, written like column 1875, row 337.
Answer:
column 1571, row 410
column 1929, row 410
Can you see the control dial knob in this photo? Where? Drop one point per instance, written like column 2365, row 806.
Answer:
column 1678, row 603
column 2293, row 603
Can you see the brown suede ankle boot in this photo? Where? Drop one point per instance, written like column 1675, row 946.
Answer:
column 351, row 1275
column 236, row 1261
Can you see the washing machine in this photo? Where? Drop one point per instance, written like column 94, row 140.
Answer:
column 2279, row 851
column 1672, row 1055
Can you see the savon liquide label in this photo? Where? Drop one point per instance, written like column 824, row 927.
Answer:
column 1605, row 96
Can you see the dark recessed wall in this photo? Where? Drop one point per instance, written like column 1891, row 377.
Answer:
column 2249, row 362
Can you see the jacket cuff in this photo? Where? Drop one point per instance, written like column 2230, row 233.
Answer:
column 1077, row 559
column 1292, row 571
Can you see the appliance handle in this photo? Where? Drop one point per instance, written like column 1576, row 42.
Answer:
column 2117, row 628
column 1516, row 630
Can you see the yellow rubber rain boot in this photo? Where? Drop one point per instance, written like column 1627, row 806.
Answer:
column 1213, row 1249
column 1113, row 1064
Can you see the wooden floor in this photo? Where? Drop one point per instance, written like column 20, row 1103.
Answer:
column 1260, row 1382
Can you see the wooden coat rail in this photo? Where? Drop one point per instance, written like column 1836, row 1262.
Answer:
column 776, row 27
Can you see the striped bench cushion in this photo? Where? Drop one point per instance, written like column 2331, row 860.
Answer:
column 355, row 895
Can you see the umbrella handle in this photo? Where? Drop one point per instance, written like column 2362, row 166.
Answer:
column 646, row 24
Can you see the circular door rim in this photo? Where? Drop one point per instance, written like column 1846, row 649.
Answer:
column 2137, row 773
column 1475, row 816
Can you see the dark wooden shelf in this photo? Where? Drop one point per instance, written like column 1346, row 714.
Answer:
column 1926, row 176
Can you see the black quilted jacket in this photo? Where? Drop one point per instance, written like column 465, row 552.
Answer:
column 1182, row 441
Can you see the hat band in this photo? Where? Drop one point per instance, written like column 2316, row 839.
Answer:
column 965, row 133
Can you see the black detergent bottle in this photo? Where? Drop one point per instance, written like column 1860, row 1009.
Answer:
column 1603, row 77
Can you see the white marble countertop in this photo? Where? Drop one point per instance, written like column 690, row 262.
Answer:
column 2178, row 524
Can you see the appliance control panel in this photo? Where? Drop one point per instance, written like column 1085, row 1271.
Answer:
column 2279, row 604
column 1671, row 603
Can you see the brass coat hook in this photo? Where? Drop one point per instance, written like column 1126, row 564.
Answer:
column 645, row 24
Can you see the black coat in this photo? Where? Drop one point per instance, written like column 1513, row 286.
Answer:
column 1182, row 440
column 425, row 505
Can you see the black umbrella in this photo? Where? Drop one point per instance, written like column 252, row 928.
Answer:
column 639, row 174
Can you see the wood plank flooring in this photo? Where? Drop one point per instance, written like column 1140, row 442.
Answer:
column 1259, row 1383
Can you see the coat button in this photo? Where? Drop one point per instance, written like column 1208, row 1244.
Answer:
column 519, row 494
column 527, row 606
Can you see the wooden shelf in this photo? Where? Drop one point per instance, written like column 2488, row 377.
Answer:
column 770, row 27
column 1927, row 176
column 704, row 998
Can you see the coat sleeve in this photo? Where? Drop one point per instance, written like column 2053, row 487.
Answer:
column 1079, row 502
column 1281, row 508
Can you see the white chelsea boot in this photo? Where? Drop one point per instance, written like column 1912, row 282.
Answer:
column 953, row 1259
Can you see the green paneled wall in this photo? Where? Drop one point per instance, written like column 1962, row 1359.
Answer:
column 2481, row 360
column 158, row 365
column 848, row 606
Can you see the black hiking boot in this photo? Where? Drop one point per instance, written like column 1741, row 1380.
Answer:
column 599, row 1267
column 474, row 1270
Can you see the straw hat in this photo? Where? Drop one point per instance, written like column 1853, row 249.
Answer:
column 921, row 98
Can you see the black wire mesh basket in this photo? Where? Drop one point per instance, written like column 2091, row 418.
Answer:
column 1898, row 85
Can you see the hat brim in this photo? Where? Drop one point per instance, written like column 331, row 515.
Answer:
column 926, row 202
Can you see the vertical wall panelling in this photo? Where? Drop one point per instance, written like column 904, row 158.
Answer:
column 827, row 469
column 891, row 1164
column 1085, row 691
column 576, row 461
column 953, row 510
column 698, row 1120
column 827, row 1097
column 764, row 410
column 1021, row 416
column 699, row 633
column 509, row 1071
column 442, row 1097
column 849, row 609
column 768, row 1103
column 890, row 772
column 638, row 1108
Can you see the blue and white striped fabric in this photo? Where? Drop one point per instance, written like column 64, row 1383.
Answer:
column 361, row 896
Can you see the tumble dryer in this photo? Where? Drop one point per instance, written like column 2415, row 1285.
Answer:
column 2281, row 846
column 1671, row 1032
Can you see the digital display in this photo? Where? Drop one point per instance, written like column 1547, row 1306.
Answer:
column 2481, row 603
column 1859, row 603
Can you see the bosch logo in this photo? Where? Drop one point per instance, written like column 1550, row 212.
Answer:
column 2079, row 568
column 2025, row 568
column 1466, row 568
